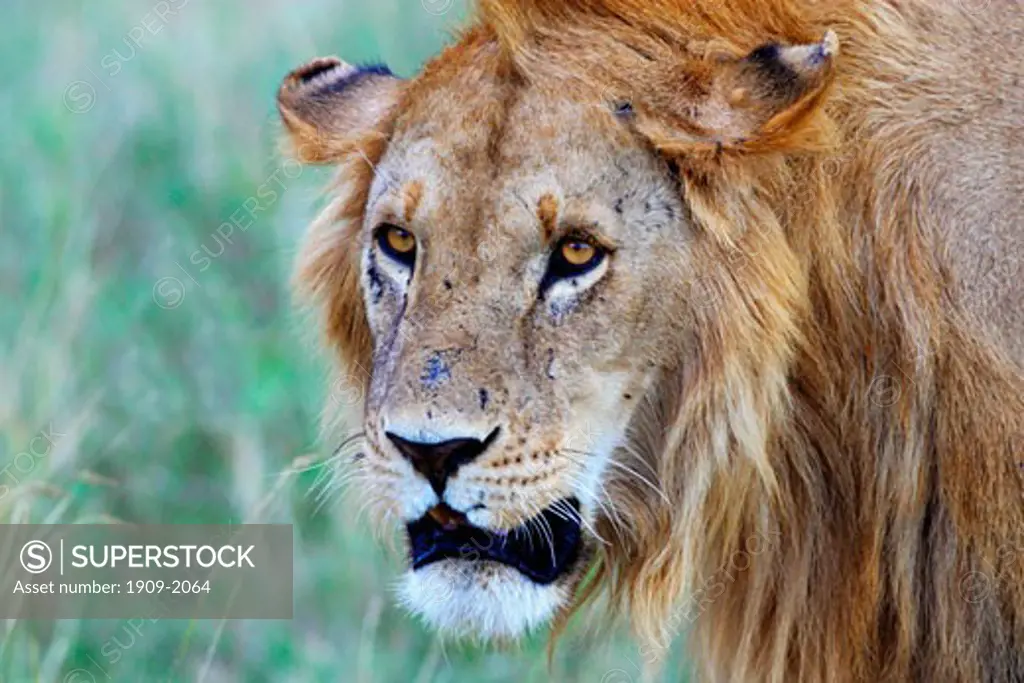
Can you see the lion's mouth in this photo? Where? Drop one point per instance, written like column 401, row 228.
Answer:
column 542, row 549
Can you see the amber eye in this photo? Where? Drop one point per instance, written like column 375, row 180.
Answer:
column 577, row 253
column 397, row 243
column 572, row 257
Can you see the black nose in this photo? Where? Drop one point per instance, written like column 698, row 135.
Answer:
column 438, row 461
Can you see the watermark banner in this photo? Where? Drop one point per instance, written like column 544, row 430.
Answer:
column 121, row 571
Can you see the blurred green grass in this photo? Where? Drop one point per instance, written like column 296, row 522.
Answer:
column 172, row 365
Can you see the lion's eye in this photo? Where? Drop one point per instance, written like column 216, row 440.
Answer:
column 397, row 243
column 574, row 256
column 578, row 254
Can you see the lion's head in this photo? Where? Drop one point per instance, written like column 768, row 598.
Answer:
column 536, row 256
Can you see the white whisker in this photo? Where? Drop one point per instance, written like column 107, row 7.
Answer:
column 618, row 525
column 629, row 470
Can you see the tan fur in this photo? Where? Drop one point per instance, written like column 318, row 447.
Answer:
column 813, row 357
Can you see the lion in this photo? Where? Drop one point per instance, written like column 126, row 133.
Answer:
column 713, row 308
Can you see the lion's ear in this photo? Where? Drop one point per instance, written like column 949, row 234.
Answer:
column 755, row 102
column 328, row 107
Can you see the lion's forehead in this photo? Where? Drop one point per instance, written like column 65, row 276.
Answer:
column 482, row 177
column 477, row 133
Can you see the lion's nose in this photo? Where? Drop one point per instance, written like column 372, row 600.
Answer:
column 438, row 461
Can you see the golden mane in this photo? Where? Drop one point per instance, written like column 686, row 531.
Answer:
column 846, row 459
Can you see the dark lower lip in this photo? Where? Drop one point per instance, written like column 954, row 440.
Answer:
column 542, row 549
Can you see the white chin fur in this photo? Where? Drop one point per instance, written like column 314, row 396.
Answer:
column 479, row 599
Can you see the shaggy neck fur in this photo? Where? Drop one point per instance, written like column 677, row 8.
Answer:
column 846, row 455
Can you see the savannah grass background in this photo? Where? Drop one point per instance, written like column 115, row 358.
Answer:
column 164, row 364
